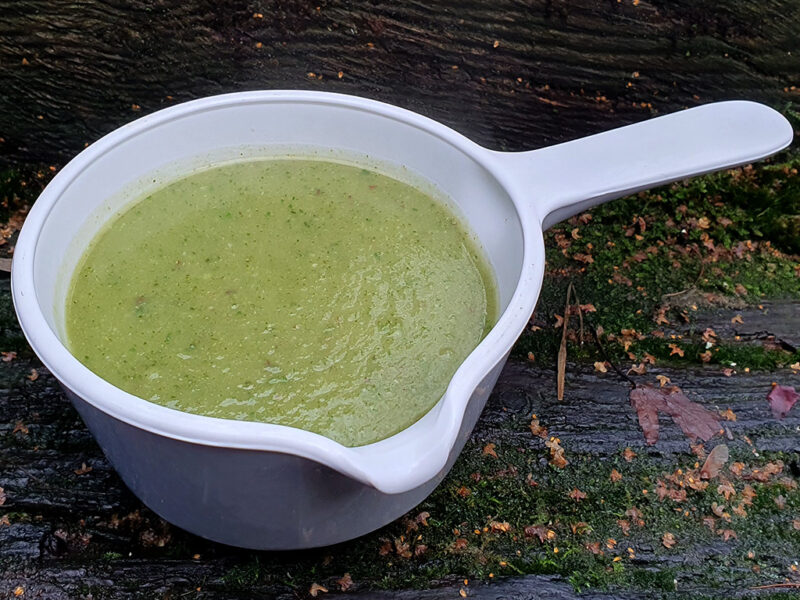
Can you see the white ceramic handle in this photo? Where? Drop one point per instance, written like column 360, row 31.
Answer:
column 566, row 179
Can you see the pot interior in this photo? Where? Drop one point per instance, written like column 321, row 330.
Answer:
column 152, row 151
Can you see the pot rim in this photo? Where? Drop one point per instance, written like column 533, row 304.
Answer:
column 396, row 464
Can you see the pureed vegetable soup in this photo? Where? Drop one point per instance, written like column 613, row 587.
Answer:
column 306, row 293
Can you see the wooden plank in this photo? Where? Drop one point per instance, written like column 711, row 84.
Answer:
column 511, row 75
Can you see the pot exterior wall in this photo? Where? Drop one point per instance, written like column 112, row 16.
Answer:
column 256, row 499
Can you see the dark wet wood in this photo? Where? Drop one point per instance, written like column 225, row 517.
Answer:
column 512, row 75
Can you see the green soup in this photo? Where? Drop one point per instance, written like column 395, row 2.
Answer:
column 300, row 292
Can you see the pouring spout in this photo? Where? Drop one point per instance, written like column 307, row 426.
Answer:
column 568, row 178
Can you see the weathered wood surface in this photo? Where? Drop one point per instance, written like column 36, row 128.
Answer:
column 75, row 520
column 509, row 74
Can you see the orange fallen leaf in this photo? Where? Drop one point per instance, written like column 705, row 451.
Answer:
column 315, row 589
column 557, row 458
column 728, row 414
column 577, row 495
column 624, row 525
column 500, row 527
column 715, row 461
column 628, row 454
column 615, row 475
column 19, row 427
column 463, row 491
column 459, row 544
column 675, row 349
column 639, row 369
column 705, row 356
column 668, row 540
column 83, row 470
column 727, row 490
column 663, row 380
column 728, row 534
column 8, row 356
column 537, row 429
column 737, row 319
column 488, row 450
column 345, row 582
column 600, row 366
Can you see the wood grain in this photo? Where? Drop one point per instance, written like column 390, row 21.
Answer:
column 510, row 74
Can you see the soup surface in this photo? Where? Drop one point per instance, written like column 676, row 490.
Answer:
column 300, row 292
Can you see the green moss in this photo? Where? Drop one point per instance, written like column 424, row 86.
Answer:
column 722, row 234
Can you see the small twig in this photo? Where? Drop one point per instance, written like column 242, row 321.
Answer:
column 605, row 357
column 562, row 350
column 773, row 586
column 690, row 288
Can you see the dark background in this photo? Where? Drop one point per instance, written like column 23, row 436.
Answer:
column 510, row 74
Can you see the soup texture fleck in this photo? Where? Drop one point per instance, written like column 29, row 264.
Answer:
column 306, row 293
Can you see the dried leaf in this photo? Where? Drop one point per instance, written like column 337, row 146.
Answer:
column 639, row 369
column 780, row 501
column 748, row 493
column 728, row 415
column 498, row 527
column 539, row 531
column 675, row 349
column 19, row 427
column 386, row 548
column 488, row 450
column 463, row 491
column 615, row 475
column 580, row 528
column 459, row 544
column 594, row 548
column 315, row 589
column 694, row 420
column 728, row 534
column 2, row 496
column 8, row 356
column 537, row 429
column 781, row 400
column 662, row 380
column 668, row 540
column 557, row 458
column 624, row 525
column 636, row 515
column 345, row 582
column 628, row 454
column 577, row 495
column 600, row 366
column 715, row 461
column 737, row 319
column 83, row 470
column 727, row 490
column 402, row 547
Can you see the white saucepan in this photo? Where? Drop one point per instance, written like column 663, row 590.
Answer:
column 266, row 486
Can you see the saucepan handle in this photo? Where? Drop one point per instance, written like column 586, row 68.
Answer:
column 568, row 178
